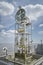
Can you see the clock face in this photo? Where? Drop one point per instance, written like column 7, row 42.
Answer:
column 20, row 15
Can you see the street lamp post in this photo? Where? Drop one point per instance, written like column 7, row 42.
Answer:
column 5, row 49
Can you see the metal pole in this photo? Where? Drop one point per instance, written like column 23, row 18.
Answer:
column 31, row 37
column 14, row 41
column 41, row 47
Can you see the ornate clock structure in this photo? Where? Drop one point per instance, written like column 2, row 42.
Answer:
column 22, row 36
column 20, row 15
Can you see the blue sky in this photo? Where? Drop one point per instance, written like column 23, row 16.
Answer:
column 8, row 8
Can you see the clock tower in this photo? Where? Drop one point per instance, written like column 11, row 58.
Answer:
column 22, row 36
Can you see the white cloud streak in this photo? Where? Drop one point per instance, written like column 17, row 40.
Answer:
column 6, row 8
column 8, row 33
column 41, row 25
column 34, row 11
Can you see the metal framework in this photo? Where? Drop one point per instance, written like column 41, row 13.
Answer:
column 22, row 42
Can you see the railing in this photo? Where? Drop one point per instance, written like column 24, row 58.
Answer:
column 37, row 62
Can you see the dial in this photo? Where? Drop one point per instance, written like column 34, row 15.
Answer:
column 20, row 15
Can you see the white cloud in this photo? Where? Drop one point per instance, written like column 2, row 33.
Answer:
column 1, row 26
column 6, row 8
column 34, row 11
column 7, row 36
column 40, row 32
column 12, row 31
column 41, row 25
column 8, row 33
